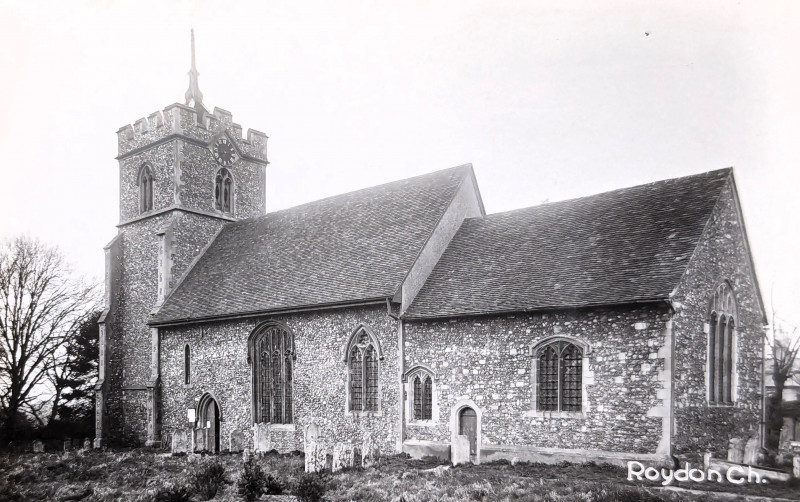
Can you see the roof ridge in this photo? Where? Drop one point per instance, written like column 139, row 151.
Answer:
column 616, row 190
column 465, row 167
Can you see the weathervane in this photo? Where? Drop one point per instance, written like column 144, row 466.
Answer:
column 193, row 93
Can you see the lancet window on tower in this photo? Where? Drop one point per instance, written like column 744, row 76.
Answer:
column 145, row 182
column 223, row 191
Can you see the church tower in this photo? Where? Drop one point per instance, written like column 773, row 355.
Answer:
column 184, row 172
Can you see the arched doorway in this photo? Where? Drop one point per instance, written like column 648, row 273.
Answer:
column 208, row 420
column 468, row 426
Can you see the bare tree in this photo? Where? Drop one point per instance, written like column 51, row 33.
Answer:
column 41, row 307
column 783, row 345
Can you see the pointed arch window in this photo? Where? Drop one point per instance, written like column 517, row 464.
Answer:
column 722, row 346
column 363, row 363
column 420, row 394
column 272, row 359
column 559, row 377
column 223, row 191
column 145, row 183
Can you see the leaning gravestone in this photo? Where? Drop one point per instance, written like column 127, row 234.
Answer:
column 316, row 458
column 236, row 441
column 751, row 450
column 460, row 450
column 38, row 447
column 343, row 456
column 736, row 450
column 369, row 452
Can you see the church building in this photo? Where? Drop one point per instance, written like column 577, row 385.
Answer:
column 623, row 325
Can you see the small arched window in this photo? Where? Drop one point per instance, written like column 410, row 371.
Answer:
column 187, row 365
column 145, row 183
column 721, row 345
column 559, row 377
column 363, row 355
column 421, row 391
column 223, row 191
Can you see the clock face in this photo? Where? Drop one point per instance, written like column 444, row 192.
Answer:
column 224, row 153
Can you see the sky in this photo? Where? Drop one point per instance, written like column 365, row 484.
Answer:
column 547, row 100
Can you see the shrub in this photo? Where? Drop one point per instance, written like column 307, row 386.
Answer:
column 172, row 493
column 273, row 485
column 310, row 488
column 252, row 480
column 206, row 480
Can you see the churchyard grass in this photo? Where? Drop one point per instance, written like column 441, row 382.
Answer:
column 145, row 475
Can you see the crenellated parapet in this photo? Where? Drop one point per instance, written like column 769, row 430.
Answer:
column 182, row 121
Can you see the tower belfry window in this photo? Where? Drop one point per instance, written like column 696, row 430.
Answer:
column 145, row 182
column 223, row 191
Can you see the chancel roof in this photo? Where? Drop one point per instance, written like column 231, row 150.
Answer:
column 624, row 246
column 353, row 247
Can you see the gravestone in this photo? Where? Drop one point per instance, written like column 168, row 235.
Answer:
column 200, row 439
column 179, row 442
column 736, row 450
column 343, row 457
column 236, row 441
column 459, row 453
column 38, row 447
column 261, row 438
column 67, row 445
column 87, row 444
column 369, row 452
column 751, row 450
column 787, row 431
column 796, row 466
column 316, row 458
column 246, row 454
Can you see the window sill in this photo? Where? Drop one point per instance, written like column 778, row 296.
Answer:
column 555, row 414
column 365, row 413
column 716, row 404
column 423, row 423
column 282, row 427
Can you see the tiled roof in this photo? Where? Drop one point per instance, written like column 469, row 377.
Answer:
column 623, row 246
column 351, row 247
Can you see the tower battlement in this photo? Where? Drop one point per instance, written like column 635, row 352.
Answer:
column 182, row 121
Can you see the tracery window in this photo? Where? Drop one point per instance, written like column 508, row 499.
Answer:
column 423, row 397
column 363, row 355
column 223, row 191
column 559, row 377
column 721, row 345
column 145, row 183
column 272, row 356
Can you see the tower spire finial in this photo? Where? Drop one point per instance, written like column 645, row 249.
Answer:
column 193, row 93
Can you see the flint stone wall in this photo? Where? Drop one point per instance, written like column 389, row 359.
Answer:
column 720, row 255
column 488, row 360
column 219, row 366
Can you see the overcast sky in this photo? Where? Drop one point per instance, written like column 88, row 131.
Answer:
column 547, row 100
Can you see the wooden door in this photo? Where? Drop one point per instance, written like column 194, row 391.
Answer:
column 468, row 426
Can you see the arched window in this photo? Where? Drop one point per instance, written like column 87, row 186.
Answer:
column 363, row 355
column 223, row 191
column 559, row 377
column 722, row 345
column 145, row 182
column 272, row 355
column 187, row 362
column 419, row 392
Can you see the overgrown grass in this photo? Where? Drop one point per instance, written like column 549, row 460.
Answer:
column 144, row 475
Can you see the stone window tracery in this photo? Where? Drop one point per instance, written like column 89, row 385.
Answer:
column 559, row 377
column 223, row 191
column 272, row 356
column 722, row 345
column 145, row 182
column 363, row 355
